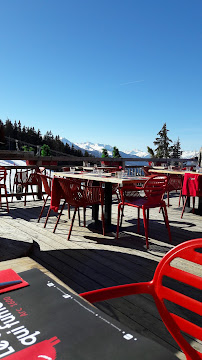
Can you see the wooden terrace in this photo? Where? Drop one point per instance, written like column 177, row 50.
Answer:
column 90, row 260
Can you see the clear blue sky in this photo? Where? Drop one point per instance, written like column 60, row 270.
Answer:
column 105, row 71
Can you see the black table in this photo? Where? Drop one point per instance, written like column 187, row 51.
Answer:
column 60, row 324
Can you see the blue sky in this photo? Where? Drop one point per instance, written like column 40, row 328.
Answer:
column 104, row 71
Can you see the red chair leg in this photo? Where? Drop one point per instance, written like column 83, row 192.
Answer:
column 118, row 218
column 58, row 218
column 6, row 200
column 71, row 226
column 39, row 218
column 184, row 207
column 49, row 210
column 145, row 227
column 138, row 220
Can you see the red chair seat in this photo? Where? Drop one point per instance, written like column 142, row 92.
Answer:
column 143, row 202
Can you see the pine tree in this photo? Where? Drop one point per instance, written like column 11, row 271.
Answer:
column 115, row 152
column 176, row 150
column 104, row 153
column 150, row 151
column 163, row 149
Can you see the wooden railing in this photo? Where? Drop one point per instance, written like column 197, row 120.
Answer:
column 134, row 170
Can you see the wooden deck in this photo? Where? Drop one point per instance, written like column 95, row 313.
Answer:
column 90, row 261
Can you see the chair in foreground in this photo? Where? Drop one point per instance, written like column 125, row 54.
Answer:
column 3, row 174
column 177, row 324
column 154, row 189
column 78, row 195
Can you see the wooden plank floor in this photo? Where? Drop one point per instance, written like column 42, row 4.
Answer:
column 91, row 261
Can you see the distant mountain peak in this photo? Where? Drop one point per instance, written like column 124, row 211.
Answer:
column 96, row 150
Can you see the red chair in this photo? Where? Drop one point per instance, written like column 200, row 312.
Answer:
column 3, row 175
column 192, row 187
column 77, row 194
column 163, row 293
column 46, row 181
column 174, row 183
column 154, row 188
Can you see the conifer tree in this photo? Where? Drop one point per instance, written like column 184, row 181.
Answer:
column 162, row 143
column 104, row 153
column 176, row 149
column 115, row 152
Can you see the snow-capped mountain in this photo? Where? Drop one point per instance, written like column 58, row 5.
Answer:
column 96, row 150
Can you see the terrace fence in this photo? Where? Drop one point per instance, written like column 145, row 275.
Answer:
column 134, row 167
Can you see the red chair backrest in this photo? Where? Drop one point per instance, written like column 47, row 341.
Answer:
column 47, row 181
column 177, row 272
column 155, row 187
column 80, row 195
column 174, row 182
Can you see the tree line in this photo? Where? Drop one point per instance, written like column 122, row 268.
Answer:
column 10, row 132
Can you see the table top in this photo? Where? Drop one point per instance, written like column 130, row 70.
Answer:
column 174, row 172
column 89, row 331
column 91, row 168
column 105, row 177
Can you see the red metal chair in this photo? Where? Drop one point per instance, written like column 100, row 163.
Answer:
column 174, row 183
column 47, row 182
column 77, row 194
column 163, row 293
column 154, row 188
column 192, row 187
column 3, row 175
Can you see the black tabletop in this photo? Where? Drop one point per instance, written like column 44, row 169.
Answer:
column 46, row 320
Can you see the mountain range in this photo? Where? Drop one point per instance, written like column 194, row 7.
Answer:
column 96, row 150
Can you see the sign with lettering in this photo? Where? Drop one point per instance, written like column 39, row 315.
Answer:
column 45, row 321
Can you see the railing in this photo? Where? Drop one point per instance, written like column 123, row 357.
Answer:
column 16, row 190
column 133, row 170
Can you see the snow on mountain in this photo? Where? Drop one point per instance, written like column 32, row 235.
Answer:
column 188, row 154
column 12, row 163
column 96, row 150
